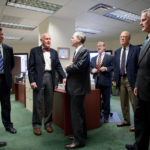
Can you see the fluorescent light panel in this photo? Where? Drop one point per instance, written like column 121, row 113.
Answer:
column 123, row 15
column 17, row 26
column 12, row 38
column 35, row 5
column 87, row 30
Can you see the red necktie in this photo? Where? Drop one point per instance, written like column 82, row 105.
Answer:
column 46, row 49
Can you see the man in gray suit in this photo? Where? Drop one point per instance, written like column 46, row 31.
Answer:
column 77, row 85
column 142, row 90
column 43, row 63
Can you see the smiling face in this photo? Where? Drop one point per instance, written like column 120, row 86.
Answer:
column 145, row 22
column 125, row 38
column 46, row 40
column 101, row 47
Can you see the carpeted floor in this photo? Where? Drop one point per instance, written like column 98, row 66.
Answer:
column 107, row 137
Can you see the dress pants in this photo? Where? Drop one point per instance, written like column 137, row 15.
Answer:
column 105, row 92
column 126, row 93
column 142, row 124
column 5, row 102
column 78, row 118
column 45, row 94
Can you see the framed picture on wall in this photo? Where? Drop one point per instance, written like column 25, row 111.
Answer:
column 63, row 52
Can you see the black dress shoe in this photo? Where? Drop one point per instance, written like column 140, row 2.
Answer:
column 3, row 144
column 71, row 137
column 11, row 130
column 74, row 145
column 130, row 147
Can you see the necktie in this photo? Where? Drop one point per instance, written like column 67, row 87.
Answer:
column 99, row 64
column 46, row 49
column 1, row 63
column 74, row 56
column 123, row 62
column 145, row 42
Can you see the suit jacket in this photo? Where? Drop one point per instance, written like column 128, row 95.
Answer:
column 131, row 65
column 78, row 74
column 105, row 78
column 143, row 76
column 8, row 64
column 37, row 66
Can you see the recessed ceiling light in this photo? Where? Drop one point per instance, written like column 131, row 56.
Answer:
column 87, row 30
column 17, row 26
column 12, row 38
column 35, row 5
column 123, row 15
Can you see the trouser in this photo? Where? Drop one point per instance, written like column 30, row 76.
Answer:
column 126, row 93
column 45, row 94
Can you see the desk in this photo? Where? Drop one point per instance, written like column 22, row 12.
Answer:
column 20, row 92
column 61, row 110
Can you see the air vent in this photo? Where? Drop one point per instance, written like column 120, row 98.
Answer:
column 101, row 6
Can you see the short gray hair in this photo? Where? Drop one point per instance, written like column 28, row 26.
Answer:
column 81, row 35
column 101, row 42
column 146, row 10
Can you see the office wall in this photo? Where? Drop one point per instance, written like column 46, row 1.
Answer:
column 136, row 39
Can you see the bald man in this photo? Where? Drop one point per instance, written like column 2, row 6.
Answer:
column 43, row 63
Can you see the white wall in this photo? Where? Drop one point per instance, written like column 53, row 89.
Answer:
column 113, row 44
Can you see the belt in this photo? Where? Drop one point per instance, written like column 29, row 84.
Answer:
column 47, row 71
column 124, row 75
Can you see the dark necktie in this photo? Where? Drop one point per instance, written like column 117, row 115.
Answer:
column 1, row 63
column 145, row 42
column 123, row 62
column 73, row 56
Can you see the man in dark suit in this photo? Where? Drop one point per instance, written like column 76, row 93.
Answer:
column 77, row 85
column 43, row 63
column 142, row 90
column 101, row 68
column 6, row 65
column 125, row 72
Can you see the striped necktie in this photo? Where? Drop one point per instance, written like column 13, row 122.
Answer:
column 1, row 62
column 99, row 64
column 123, row 62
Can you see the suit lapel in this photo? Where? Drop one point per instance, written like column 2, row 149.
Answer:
column 40, row 52
column 129, row 54
column 143, row 52
column 78, row 53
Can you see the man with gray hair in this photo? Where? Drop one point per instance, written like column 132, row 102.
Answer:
column 101, row 68
column 142, row 90
column 77, row 85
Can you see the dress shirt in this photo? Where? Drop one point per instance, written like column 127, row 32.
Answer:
column 1, row 49
column 76, row 51
column 47, row 58
column 102, row 57
column 127, row 50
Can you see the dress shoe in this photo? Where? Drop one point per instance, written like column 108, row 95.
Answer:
column 123, row 124
column 74, row 145
column 132, row 129
column 3, row 144
column 11, row 130
column 49, row 129
column 71, row 137
column 37, row 131
column 130, row 147
column 105, row 120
